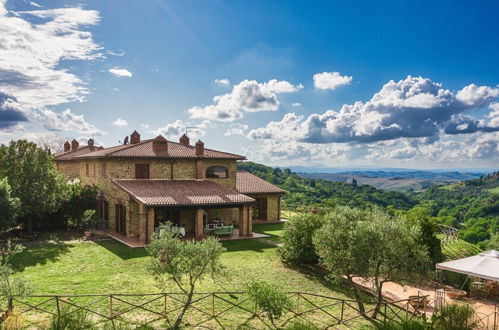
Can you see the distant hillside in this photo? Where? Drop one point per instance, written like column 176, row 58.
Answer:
column 310, row 191
column 397, row 181
column 471, row 206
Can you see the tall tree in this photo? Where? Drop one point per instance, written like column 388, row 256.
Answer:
column 33, row 178
column 370, row 245
column 8, row 205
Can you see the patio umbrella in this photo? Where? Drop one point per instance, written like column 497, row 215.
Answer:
column 484, row 265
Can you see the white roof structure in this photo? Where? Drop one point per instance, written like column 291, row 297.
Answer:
column 484, row 265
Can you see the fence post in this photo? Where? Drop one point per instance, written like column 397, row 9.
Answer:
column 111, row 306
column 297, row 303
column 164, row 304
column 384, row 316
column 58, row 307
column 213, row 304
column 342, row 309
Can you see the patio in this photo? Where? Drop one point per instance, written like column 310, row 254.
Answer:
column 137, row 243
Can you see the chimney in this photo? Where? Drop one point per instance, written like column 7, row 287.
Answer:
column 135, row 137
column 160, row 145
column 199, row 148
column 90, row 143
column 74, row 144
column 184, row 140
column 67, row 146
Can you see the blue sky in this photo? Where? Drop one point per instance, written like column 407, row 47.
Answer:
column 154, row 66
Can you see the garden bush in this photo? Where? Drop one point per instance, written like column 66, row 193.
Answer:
column 297, row 246
column 270, row 298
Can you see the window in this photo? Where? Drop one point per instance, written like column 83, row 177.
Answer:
column 141, row 171
column 103, row 209
column 87, row 169
column 103, row 170
column 217, row 172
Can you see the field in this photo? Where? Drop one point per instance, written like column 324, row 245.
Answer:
column 106, row 266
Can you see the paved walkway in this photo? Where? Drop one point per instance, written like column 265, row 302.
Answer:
column 484, row 309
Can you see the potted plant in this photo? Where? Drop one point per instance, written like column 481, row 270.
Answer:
column 456, row 294
column 87, row 220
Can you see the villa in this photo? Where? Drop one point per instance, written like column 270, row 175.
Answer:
column 145, row 182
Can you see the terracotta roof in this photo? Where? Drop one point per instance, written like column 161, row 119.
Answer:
column 182, row 193
column 248, row 183
column 70, row 155
column 144, row 149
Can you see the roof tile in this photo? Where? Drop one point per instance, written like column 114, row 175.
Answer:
column 182, row 193
column 248, row 183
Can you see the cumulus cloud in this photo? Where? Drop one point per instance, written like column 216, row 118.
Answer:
column 66, row 121
column 119, row 72
column 296, row 104
column 222, row 82
column 120, row 122
column 32, row 46
column 247, row 96
column 175, row 129
column 411, row 108
column 29, row 64
column 236, row 130
column 10, row 116
column 330, row 80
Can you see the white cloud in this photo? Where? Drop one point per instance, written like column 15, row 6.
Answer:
column 296, row 104
column 29, row 65
column 119, row 72
column 236, row 130
column 116, row 89
column 330, row 80
column 31, row 52
column 411, row 108
column 175, row 129
column 222, row 82
column 144, row 125
column 66, row 121
column 120, row 122
column 494, row 115
column 248, row 96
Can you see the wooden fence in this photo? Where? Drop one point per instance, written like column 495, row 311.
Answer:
column 214, row 310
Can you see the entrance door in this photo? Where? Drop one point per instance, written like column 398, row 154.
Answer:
column 120, row 219
column 260, row 209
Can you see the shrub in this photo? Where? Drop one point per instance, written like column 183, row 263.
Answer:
column 456, row 317
column 68, row 320
column 297, row 236
column 270, row 298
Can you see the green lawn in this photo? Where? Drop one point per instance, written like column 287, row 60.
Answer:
column 106, row 266
column 274, row 230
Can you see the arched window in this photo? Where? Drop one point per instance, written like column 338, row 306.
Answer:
column 217, row 172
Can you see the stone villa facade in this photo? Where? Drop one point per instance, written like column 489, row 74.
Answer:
column 146, row 182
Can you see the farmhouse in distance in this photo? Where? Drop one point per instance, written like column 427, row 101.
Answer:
column 146, row 182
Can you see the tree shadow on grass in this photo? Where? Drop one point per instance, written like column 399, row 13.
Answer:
column 121, row 250
column 315, row 274
column 246, row 245
column 39, row 254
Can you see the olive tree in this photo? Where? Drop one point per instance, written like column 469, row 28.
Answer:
column 33, row 178
column 10, row 285
column 183, row 262
column 270, row 298
column 370, row 245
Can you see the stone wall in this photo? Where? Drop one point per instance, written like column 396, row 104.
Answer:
column 231, row 166
column 71, row 169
